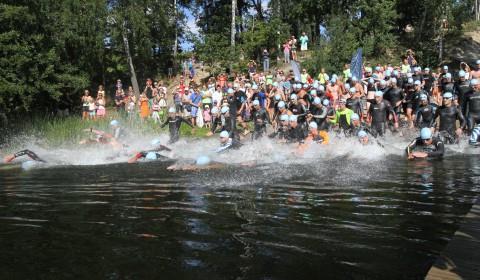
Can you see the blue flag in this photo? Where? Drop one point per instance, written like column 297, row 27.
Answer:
column 296, row 70
column 356, row 64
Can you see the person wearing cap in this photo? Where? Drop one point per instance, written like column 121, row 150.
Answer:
column 152, row 154
column 282, row 129
column 395, row 96
column 447, row 83
column 333, row 92
column 473, row 105
column 260, row 119
column 414, row 102
column 318, row 112
column 379, row 113
column 216, row 121
column 174, row 122
column 448, row 115
column 343, row 116
column 238, row 106
column 103, row 137
column 313, row 136
column 297, row 131
column 363, row 137
column 356, row 125
column 463, row 89
column 425, row 113
column 227, row 142
column 354, row 101
column 425, row 146
column 297, row 108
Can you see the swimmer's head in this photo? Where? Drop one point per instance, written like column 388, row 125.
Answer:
column 202, row 161
column 151, row 156
column 114, row 123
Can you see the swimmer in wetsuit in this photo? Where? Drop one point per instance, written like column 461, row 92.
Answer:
column 449, row 114
column 425, row 113
column 379, row 112
column 103, row 137
column 473, row 105
column 28, row 153
column 432, row 147
column 281, row 131
column 153, row 154
column 227, row 143
column 260, row 119
column 174, row 122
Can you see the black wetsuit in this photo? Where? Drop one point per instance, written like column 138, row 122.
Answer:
column 281, row 133
column 174, row 127
column 354, row 130
column 448, row 87
column 473, row 110
column 298, row 110
column 230, row 144
column 434, row 150
column 394, row 95
column 216, row 122
column 28, row 153
column 448, row 122
column 297, row 134
column 379, row 113
column 428, row 79
column 463, row 90
column 260, row 119
column 424, row 116
column 355, row 104
column 320, row 116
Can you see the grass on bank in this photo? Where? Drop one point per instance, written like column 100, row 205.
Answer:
column 65, row 131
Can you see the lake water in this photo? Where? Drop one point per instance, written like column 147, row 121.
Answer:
column 321, row 219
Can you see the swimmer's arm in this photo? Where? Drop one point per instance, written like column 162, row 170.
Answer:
column 439, row 152
column 164, row 123
column 136, row 157
column 187, row 122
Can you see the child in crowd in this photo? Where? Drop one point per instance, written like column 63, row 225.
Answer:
column 155, row 111
column 207, row 117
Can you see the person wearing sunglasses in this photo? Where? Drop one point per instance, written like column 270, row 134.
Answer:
column 448, row 115
column 425, row 146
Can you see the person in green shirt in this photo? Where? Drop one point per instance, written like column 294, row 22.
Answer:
column 303, row 44
column 343, row 116
column 346, row 72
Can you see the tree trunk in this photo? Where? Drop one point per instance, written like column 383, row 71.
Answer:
column 133, row 76
column 175, row 46
column 232, row 38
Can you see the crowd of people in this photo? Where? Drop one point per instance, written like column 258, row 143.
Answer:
column 443, row 105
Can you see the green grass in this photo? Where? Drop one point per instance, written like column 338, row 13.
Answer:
column 58, row 132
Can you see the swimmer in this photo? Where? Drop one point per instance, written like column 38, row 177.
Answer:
column 448, row 115
column 227, row 143
column 153, row 154
column 475, row 137
column 174, row 122
column 103, row 137
column 30, row 154
column 432, row 147
column 314, row 136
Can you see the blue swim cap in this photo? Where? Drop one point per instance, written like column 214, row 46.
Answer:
column 355, row 117
column 427, row 69
column 317, row 100
column 333, row 80
column 334, row 76
column 255, row 87
column 321, row 88
column 445, row 67
column 305, row 85
column 448, row 95
column 417, row 83
column 362, row 134
column 256, row 102
column 315, row 84
column 155, row 142
column 347, row 86
column 388, row 73
column 393, row 81
column 354, row 79
column 224, row 109
column 462, row 74
column 224, row 134
column 425, row 133
column 410, row 81
column 230, row 90
column 293, row 97
column 313, row 125
column 371, row 81
column 448, row 76
column 326, row 102
column 214, row 110
column 383, row 82
column 151, row 156
column 395, row 73
column 423, row 97
column 114, row 123
column 377, row 68
column 378, row 93
column 353, row 90
column 277, row 97
column 292, row 118
column 172, row 110
column 284, row 118
column 281, row 104
column 202, row 160
column 313, row 92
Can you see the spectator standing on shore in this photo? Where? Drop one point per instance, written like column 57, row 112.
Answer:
column 293, row 44
column 266, row 61
column 100, row 103
column 85, row 97
column 131, row 101
column 303, row 44
column 286, row 52
column 144, row 108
